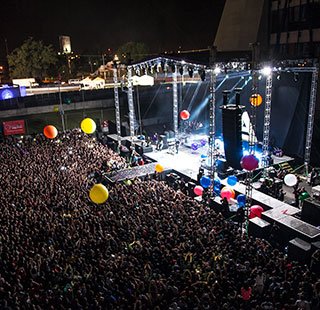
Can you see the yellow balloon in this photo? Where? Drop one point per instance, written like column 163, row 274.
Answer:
column 98, row 193
column 88, row 125
column 159, row 168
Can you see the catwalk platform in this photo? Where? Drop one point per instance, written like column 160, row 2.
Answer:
column 187, row 163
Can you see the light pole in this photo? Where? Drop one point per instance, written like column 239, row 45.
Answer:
column 61, row 108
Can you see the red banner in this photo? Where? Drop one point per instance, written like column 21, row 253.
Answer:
column 14, row 127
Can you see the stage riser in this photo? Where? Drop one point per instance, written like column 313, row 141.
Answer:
column 299, row 250
column 311, row 212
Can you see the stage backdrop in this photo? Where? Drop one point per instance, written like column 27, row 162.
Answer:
column 290, row 100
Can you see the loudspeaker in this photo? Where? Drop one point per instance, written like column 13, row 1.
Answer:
column 191, row 186
column 232, row 137
column 311, row 211
column 222, row 165
column 299, row 250
column 259, row 228
column 141, row 149
column 113, row 129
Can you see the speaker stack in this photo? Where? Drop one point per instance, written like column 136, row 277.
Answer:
column 231, row 129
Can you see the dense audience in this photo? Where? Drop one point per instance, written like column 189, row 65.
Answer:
column 148, row 247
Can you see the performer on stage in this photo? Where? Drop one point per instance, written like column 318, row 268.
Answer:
column 177, row 146
column 159, row 144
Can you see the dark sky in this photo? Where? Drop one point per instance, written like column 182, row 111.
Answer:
column 95, row 25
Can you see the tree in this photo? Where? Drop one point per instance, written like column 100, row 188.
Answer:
column 32, row 59
column 131, row 52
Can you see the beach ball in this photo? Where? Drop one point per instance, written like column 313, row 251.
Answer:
column 256, row 100
column 255, row 211
column 241, row 199
column 203, row 142
column 50, row 131
column 227, row 192
column 232, row 180
column 304, row 196
column 290, row 179
column 249, row 162
column 184, row 115
column 198, row 190
column 194, row 146
column 98, row 193
column 88, row 125
column 205, row 181
column 159, row 168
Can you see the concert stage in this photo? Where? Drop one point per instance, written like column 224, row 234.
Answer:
column 188, row 160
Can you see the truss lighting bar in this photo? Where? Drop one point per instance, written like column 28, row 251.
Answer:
column 312, row 105
column 267, row 118
column 175, row 102
column 212, row 128
column 130, row 102
column 116, row 100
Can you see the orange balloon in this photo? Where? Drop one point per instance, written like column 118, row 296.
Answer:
column 256, row 100
column 50, row 131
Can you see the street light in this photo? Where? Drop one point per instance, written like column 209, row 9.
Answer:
column 61, row 107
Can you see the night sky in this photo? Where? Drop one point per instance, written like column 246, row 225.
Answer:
column 94, row 26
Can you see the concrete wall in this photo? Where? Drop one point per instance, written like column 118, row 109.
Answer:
column 239, row 25
column 97, row 104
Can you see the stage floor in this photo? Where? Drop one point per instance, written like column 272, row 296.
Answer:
column 188, row 161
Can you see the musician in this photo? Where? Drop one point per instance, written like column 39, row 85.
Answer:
column 159, row 146
column 177, row 146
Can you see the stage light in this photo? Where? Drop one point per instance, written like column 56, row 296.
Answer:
column 190, row 71
column 296, row 76
column 217, row 70
column 266, row 71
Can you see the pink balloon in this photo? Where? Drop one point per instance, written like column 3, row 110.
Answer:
column 249, row 162
column 198, row 190
column 255, row 211
column 227, row 192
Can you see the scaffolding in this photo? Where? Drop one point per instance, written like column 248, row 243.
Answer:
column 130, row 103
column 266, row 123
column 312, row 105
column 175, row 101
column 116, row 101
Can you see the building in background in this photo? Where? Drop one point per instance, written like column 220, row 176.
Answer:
column 295, row 29
column 65, row 44
column 283, row 29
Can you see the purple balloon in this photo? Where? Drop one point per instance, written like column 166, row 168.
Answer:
column 194, row 146
column 203, row 142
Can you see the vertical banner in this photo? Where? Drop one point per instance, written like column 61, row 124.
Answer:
column 14, row 127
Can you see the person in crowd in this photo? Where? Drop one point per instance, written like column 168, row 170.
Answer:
column 148, row 246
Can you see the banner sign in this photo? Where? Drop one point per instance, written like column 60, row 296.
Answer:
column 14, row 127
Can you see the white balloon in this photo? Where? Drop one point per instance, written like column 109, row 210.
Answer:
column 290, row 180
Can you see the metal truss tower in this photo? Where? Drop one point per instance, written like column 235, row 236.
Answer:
column 312, row 106
column 116, row 100
column 267, row 119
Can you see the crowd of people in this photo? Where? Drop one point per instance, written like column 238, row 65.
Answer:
column 148, row 247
